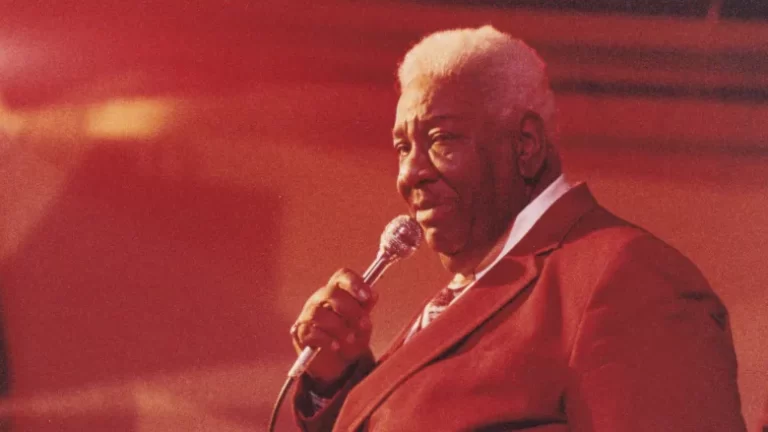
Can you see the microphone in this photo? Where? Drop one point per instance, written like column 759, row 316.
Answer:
column 400, row 239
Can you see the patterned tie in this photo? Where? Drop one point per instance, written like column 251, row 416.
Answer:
column 439, row 303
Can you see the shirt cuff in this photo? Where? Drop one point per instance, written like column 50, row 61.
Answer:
column 318, row 402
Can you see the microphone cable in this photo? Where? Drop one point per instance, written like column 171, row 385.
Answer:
column 279, row 402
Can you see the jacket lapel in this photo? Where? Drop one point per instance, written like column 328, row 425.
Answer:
column 477, row 305
column 499, row 286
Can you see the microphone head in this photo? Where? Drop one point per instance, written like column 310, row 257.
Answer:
column 401, row 237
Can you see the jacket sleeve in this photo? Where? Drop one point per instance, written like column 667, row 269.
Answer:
column 323, row 420
column 654, row 350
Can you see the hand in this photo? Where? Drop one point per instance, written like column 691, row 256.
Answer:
column 336, row 319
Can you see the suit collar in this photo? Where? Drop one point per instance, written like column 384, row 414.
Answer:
column 516, row 271
column 552, row 228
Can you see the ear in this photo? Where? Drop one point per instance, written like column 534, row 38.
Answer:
column 533, row 147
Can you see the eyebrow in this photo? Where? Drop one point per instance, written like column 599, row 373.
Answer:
column 441, row 117
column 397, row 131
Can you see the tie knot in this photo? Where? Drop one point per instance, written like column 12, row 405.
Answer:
column 439, row 303
column 446, row 296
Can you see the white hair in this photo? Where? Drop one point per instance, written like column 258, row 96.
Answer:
column 516, row 75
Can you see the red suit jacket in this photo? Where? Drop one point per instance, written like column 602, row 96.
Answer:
column 588, row 324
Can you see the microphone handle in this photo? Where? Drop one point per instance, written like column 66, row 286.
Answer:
column 371, row 275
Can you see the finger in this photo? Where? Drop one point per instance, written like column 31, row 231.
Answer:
column 353, row 346
column 374, row 298
column 342, row 303
column 325, row 319
column 350, row 352
column 352, row 283
column 364, row 325
column 309, row 335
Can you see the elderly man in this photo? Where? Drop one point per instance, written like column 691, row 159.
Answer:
column 559, row 316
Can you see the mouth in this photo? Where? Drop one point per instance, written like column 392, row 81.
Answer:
column 431, row 214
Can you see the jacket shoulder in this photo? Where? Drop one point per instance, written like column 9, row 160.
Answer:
column 612, row 238
column 608, row 256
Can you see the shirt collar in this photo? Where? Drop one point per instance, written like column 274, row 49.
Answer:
column 528, row 217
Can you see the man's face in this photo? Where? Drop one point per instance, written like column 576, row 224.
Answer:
column 457, row 168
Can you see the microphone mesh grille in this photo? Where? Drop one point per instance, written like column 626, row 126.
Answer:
column 401, row 237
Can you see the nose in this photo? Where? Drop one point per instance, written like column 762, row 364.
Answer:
column 416, row 168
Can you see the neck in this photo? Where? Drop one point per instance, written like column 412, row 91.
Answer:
column 464, row 266
column 548, row 176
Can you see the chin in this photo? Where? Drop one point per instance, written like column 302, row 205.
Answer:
column 438, row 242
column 446, row 247
column 450, row 263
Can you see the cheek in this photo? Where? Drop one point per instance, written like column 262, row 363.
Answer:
column 472, row 194
column 469, row 180
column 479, row 189
column 402, row 187
column 448, row 238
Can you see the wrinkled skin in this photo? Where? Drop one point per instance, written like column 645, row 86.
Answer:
column 336, row 319
column 459, row 169
column 462, row 173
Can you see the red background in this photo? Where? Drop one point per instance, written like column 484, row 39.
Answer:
column 175, row 181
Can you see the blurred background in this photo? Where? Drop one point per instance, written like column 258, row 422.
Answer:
column 177, row 177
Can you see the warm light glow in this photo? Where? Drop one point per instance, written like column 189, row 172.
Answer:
column 10, row 123
column 127, row 118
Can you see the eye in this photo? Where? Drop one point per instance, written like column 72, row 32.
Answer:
column 402, row 148
column 441, row 137
column 443, row 143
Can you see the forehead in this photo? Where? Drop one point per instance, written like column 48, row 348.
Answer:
column 426, row 98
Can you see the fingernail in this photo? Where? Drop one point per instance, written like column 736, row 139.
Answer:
column 351, row 338
column 363, row 295
column 335, row 346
